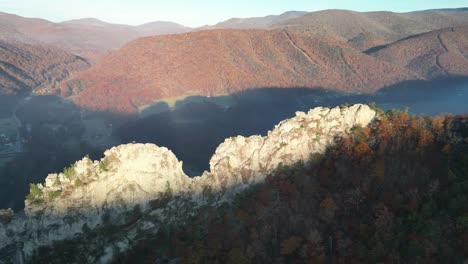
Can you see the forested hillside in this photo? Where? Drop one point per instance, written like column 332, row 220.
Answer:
column 394, row 192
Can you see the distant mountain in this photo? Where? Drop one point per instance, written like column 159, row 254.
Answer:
column 434, row 54
column 333, row 49
column 370, row 29
column 450, row 9
column 24, row 67
column 92, row 38
column 162, row 27
column 219, row 62
column 256, row 22
column 87, row 37
column 88, row 22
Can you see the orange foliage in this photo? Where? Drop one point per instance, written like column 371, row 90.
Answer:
column 361, row 149
column 425, row 138
column 437, row 124
column 385, row 130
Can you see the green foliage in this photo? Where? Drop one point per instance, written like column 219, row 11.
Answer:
column 374, row 107
column 34, row 190
column 54, row 194
column 104, row 165
column 358, row 133
column 345, row 106
column 35, row 194
column 69, row 172
column 79, row 182
column 57, row 182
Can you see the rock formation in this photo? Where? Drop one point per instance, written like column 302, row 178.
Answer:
column 145, row 178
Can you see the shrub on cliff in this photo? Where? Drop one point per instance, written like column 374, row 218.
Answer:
column 35, row 194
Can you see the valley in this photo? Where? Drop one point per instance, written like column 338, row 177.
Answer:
column 332, row 136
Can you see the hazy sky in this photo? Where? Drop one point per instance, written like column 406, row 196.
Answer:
column 199, row 12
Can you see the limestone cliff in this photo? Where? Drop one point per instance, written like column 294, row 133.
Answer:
column 148, row 180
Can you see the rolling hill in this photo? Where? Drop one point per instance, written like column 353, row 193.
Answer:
column 333, row 49
column 24, row 67
column 435, row 54
column 255, row 22
column 92, row 38
column 364, row 30
column 217, row 62
column 89, row 37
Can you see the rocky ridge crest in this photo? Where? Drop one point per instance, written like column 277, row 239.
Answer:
column 149, row 179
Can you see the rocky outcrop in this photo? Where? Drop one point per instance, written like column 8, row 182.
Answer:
column 127, row 175
column 241, row 161
column 149, row 179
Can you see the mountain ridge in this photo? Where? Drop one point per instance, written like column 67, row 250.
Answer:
column 434, row 54
column 364, row 30
column 87, row 37
column 254, row 22
column 149, row 177
column 226, row 61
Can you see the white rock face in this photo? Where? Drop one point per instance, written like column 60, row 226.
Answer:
column 244, row 161
column 136, row 174
column 127, row 175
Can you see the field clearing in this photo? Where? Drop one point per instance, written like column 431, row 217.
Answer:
column 175, row 102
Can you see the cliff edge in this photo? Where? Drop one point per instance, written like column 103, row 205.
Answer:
column 145, row 179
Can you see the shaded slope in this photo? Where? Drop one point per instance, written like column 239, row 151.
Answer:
column 435, row 54
column 24, row 67
column 223, row 62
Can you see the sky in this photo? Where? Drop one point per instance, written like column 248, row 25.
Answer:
column 196, row 13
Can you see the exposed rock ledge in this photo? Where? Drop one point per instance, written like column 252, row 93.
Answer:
column 140, row 174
